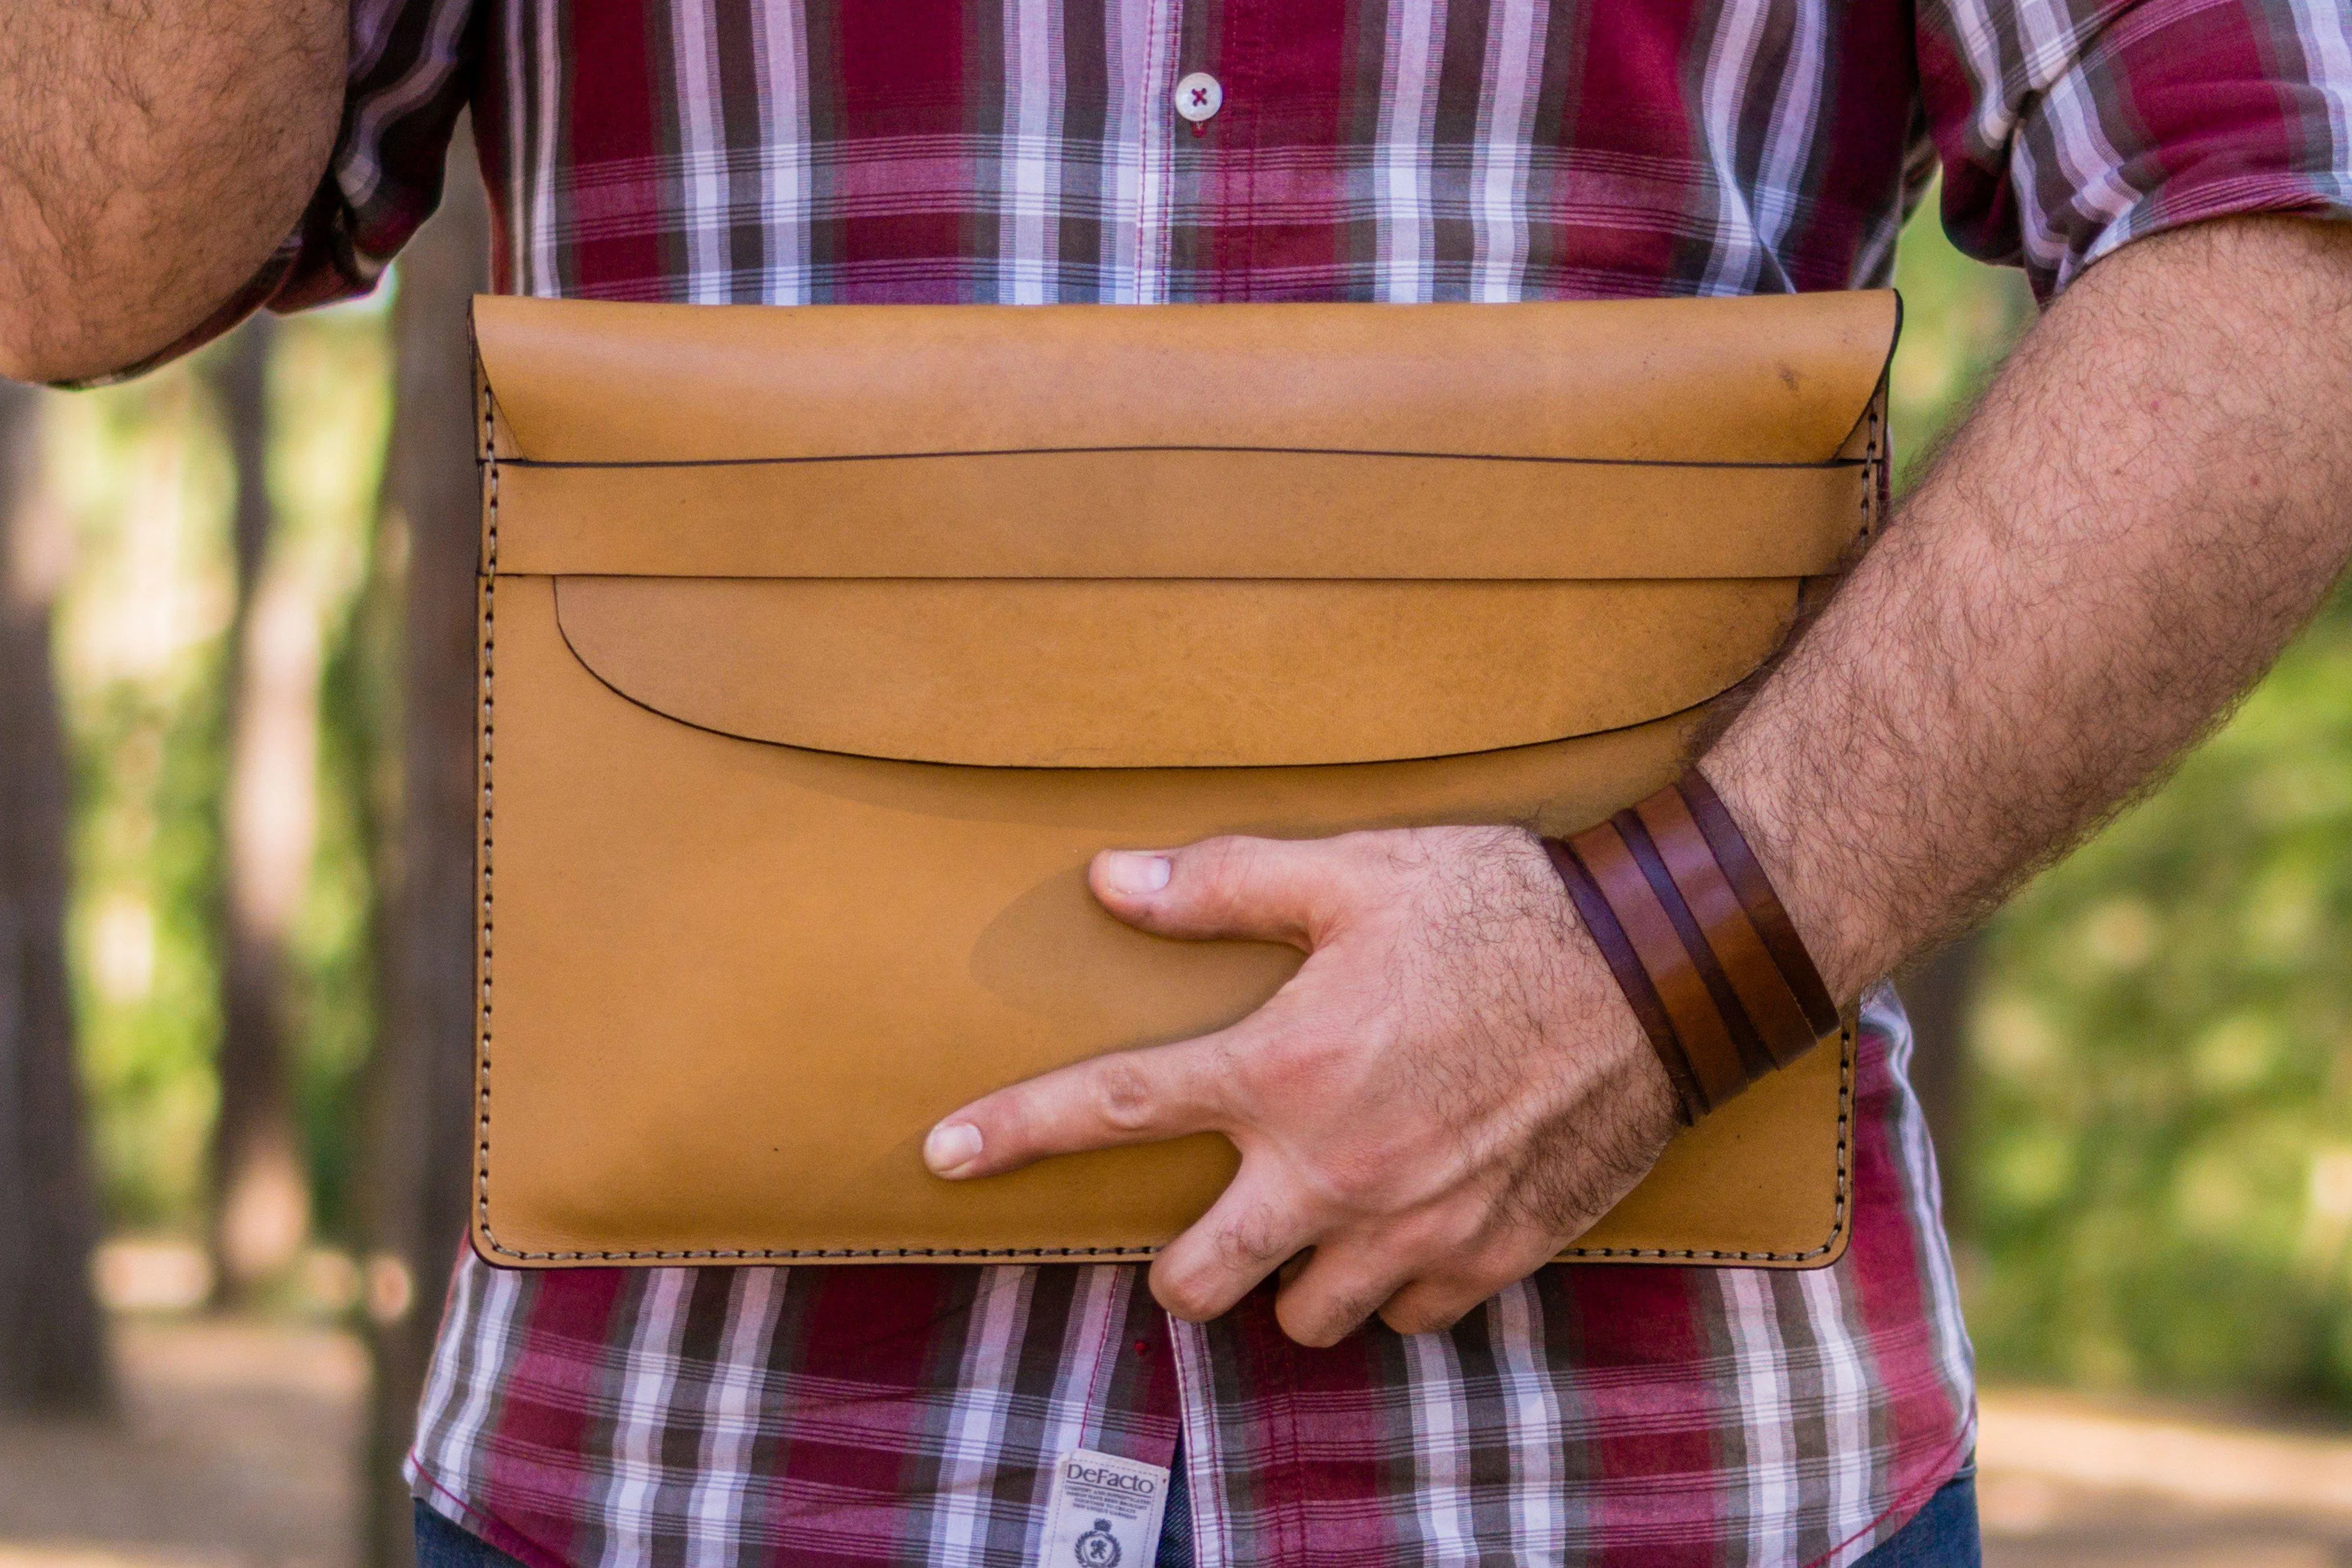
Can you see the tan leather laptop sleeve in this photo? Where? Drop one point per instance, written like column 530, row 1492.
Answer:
column 820, row 648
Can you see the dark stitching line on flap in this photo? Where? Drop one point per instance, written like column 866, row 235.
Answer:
column 1834, row 463
column 638, row 702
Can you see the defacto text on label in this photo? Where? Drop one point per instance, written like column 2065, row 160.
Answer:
column 1105, row 1512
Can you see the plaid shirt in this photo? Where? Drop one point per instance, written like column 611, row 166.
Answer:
column 809, row 150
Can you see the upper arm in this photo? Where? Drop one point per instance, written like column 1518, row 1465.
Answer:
column 2069, row 128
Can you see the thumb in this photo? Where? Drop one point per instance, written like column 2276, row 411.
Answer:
column 1267, row 890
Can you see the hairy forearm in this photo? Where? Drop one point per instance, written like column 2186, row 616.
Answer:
column 153, row 153
column 2153, row 496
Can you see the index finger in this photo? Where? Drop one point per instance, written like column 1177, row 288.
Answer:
column 1139, row 1096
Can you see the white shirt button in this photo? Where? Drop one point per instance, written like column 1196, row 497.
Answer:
column 1199, row 95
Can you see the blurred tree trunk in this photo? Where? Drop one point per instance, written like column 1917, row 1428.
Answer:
column 420, row 1090
column 52, row 1341
column 261, row 1208
column 1937, row 992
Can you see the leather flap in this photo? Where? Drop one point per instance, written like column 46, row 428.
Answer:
column 1775, row 378
column 963, row 535
column 1166, row 674
column 1649, row 439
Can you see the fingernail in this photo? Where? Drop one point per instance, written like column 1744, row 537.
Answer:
column 951, row 1147
column 1129, row 873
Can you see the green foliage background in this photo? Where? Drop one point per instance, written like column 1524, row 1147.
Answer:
column 2163, row 1174
column 2157, row 1188
column 2158, row 1178
column 141, row 478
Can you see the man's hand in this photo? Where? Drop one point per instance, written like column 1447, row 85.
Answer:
column 1449, row 1090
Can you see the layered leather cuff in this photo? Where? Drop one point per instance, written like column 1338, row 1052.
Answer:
column 1698, row 941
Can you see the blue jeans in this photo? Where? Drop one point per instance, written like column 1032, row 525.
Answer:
column 1941, row 1535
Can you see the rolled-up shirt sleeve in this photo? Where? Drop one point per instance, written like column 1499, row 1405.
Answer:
column 2069, row 128
column 411, row 71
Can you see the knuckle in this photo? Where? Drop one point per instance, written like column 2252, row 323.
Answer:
column 1318, row 1333
column 1348, row 1313
column 1189, row 1296
column 1324, row 1310
column 1126, row 1097
column 1222, row 871
column 1420, row 1318
column 1256, row 1240
column 1324, row 1323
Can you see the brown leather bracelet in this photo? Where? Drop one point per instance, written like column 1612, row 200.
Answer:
column 1763, row 994
column 1748, row 1059
column 1698, row 1023
column 1625, row 966
column 1697, row 940
column 1754, row 889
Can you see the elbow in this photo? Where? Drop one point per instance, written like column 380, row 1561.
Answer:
column 39, row 358
column 52, row 343
column 49, row 345
column 131, row 277
column 28, row 349
column 119, row 300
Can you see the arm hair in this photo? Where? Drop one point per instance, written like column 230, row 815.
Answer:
column 152, row 154
column 2153, row 495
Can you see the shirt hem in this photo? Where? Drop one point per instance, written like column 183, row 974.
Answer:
column 479, row 1522
column 1901, row 1511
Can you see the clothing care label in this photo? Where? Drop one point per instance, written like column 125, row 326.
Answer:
column 1105, row 1512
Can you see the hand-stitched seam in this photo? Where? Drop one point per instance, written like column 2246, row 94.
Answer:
column 487, row 719
column 1846, row 1054
column 1874, row 465
column 1846, row 1050
column 1869, row 469
column 482, row 1167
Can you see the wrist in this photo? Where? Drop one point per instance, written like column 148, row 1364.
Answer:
column 1847, row 949
column 1695, row 936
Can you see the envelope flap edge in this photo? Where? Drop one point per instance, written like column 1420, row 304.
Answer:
column 1780, row 379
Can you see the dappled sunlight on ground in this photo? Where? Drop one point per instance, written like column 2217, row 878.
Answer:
column 236, row 1448
column 2067, row 1482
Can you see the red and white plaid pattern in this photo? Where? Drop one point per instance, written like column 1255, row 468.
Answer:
column 813, row 151
column 1591, row 1414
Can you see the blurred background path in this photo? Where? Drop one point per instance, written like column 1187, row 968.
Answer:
column 235, row 1447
